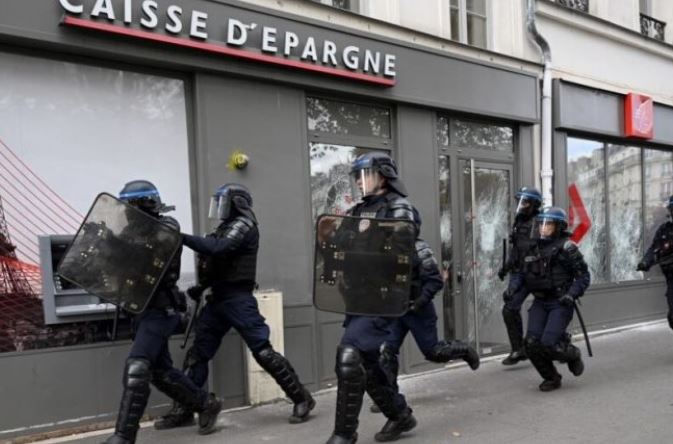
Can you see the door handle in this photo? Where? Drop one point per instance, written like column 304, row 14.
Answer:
column 459, row 277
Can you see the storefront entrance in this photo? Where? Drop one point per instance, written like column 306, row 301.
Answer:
column 476, row 188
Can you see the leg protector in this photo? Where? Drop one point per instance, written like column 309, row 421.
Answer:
column 446, row 351
column 381, row 391
column 540, row 357
column 514, row 325
column 134, row 398
column 281, row 370
column 350, row 391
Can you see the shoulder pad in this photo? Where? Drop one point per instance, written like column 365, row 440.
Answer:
column 426, row 255
column 422, row 247
column 570, row 246
column 170, row 221
column 400, row 208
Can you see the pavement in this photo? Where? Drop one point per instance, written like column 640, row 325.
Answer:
column 624, row 396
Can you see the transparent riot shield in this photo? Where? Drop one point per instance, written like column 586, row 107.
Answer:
column 119, row 253
column 363, row 266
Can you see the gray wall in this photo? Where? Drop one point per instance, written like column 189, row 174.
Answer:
column 261, row 111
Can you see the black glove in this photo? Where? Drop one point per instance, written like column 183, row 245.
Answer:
column 642, row 266
column 502, row 273
column 508, row 295
column 566, row 300
column 195, row 292
column 415, row 305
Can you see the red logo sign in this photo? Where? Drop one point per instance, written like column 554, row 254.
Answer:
column 638, row 116
column 578, row 209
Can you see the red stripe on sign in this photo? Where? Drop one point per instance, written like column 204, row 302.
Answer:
column 578, row 209
column 220, row 49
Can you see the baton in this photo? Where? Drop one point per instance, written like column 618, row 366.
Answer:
column 192, row 320
column 584, row 328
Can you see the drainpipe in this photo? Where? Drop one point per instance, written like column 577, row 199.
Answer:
column 546, row 172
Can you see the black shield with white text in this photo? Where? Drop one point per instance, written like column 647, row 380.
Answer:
column 120, row 253
column 362, row 265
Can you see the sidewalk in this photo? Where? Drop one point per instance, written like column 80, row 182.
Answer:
column 625, row 396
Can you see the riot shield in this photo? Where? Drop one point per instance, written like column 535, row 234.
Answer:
column 120, row 253
column 363, row 266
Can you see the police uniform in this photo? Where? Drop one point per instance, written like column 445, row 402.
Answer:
column 227, row 264
column 421, row 320
column 555, row 272
column 661, row 252
column 358, row 365
column 149, row 359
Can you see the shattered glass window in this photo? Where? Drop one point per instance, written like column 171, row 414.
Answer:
column 347, row 119
column 446, row 231
column 625, row 187
column 658, row 186
column 468, row 134
column 330, row 183
column 586, row 170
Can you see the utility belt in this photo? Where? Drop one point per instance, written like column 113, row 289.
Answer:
column 553, row 293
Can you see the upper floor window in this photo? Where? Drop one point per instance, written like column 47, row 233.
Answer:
column 348, row 5
column 649, row 26
column 468, row 22
column 580, row 5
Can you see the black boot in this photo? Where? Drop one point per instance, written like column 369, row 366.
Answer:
column 395, row 427
column 447, row 351
column 177, row 416
column 568, row 353
column 190, row 398
column 336, row 439
column 541, row 358
column 134, row 400
column 350, row 391
column 280, row 369
column 551, row 384
column 515, row 357
column 208, row 414
column 514, row 326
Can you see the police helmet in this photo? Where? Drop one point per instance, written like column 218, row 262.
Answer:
column 376, row 162
column 528, row 200
column 231, row 196
column 555, row 217
column 143, row 195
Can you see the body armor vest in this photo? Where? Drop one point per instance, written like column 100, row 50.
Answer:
column 521, row 239
column 547, row 272
column 238, row 267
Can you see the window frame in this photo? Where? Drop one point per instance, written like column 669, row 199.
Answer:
column 463, row 14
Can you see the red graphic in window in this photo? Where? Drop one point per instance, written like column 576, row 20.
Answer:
column 577, row 209
column 638, row 116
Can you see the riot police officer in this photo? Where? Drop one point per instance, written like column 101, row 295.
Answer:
column 521, row 238
column 358, row 367
column 227, row 264
column 149, row 359
column 661, row 252
column 555, row 272
column 421, row 319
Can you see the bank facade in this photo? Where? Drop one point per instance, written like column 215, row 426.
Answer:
column 97, row 93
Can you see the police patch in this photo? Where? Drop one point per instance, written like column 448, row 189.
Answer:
column 364, row 225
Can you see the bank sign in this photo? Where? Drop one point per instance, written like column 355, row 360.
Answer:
column 236, row 37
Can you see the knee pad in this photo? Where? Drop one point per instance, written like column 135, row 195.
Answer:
column 349, row 363
column 137, row 373
column 533, row 346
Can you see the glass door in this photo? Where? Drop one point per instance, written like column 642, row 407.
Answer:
column 485, row 191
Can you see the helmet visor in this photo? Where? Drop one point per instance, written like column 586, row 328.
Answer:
column 220, row 207
column 546, row 228
column 525, row 205
column 365, row 182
